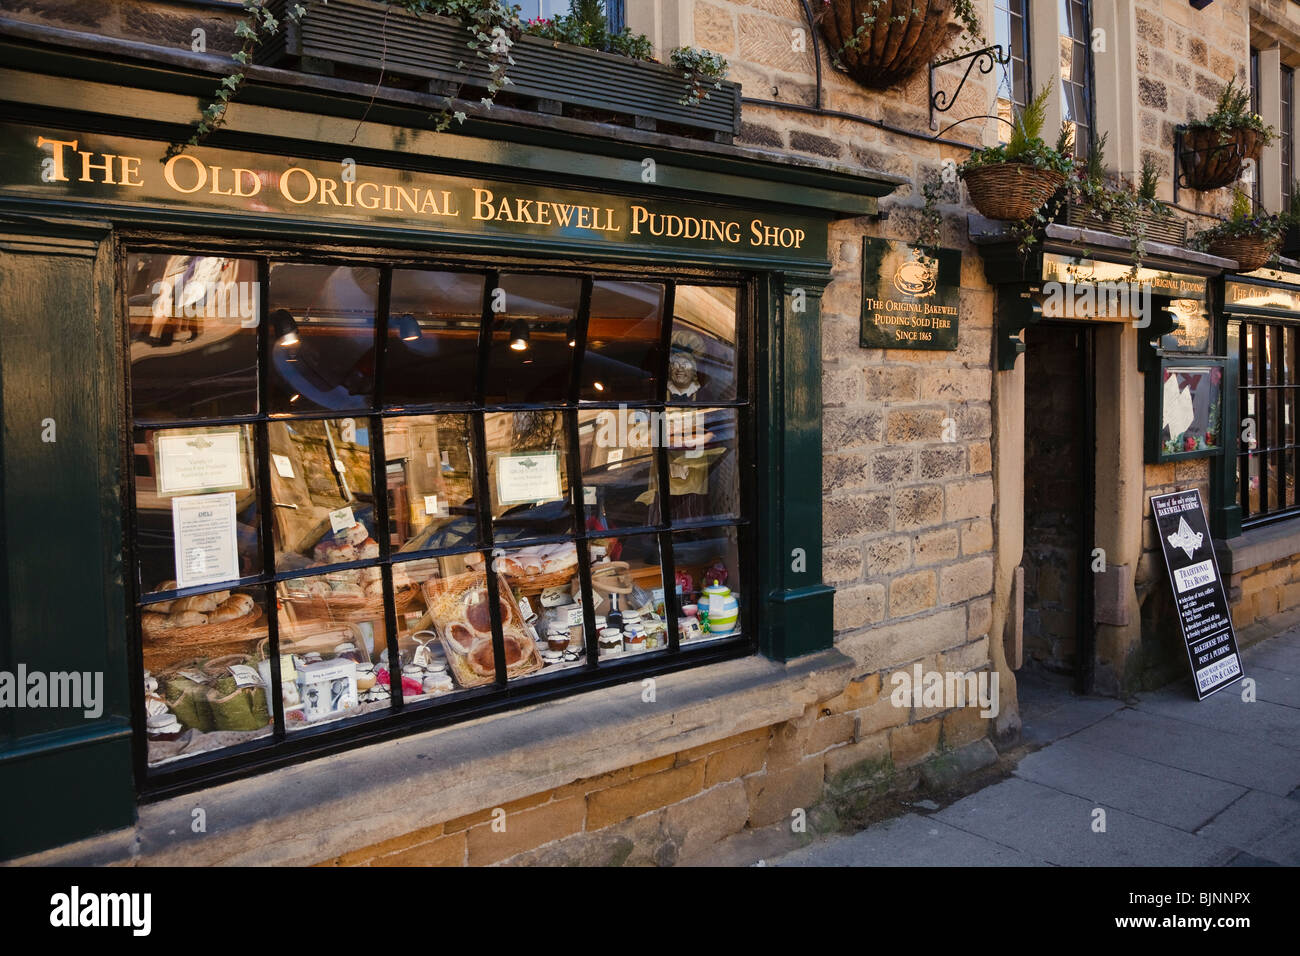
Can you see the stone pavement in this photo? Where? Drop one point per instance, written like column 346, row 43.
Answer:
column 1182, row 783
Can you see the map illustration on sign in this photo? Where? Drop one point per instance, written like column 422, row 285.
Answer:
column 1185, row 538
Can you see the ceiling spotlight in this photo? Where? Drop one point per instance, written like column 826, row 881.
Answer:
column 296, row 396
column 408, row 329
column 599, row 387
column 571, row 334
column 283, row 327
column 519, row 335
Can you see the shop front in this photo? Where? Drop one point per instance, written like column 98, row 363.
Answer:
column 327, row 433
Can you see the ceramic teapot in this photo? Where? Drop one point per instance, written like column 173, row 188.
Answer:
column 724, row 610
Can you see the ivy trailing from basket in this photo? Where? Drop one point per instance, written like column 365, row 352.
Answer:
column 702, row 69
column 1244, row 222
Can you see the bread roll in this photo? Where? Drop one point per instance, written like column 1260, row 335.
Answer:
column 188, row 619
column 202, row 603
column 231, row 609
column 154, row 623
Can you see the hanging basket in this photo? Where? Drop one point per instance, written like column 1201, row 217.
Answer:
column 1212, row 159
column 903, row 39
column 1251, row 252
column 1011, row 191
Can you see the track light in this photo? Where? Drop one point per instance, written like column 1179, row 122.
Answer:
column 519, row 335
column 284, row 327
column 408, row 329
column 571, row 334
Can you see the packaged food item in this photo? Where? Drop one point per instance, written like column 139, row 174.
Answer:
column 164, row 727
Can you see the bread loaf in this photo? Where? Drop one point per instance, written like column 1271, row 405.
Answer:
column 188, row 619
column 153, row 623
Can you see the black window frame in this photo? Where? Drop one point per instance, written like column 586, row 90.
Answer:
column 1287, row 134
column 1271, row 440
column 282, row 748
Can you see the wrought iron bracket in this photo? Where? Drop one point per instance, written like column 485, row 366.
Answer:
column 986, row 59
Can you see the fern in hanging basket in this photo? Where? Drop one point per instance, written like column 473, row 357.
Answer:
column 1013, row 180
column 1215, row 148
column 880, row 43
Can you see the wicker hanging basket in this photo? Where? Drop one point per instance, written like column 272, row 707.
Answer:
column 1212, row 159
column 901, row 40
column 1011, row 191
column 1251, row 252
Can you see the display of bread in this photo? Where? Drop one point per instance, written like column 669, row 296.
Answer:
column 539, row 559
column 217, row 607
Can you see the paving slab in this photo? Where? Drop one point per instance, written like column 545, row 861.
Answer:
column 1260, row 824
column 911, row 840
column 1072, row 714
column 1226, row 711
column 1279, row 653
column 1278, row 687
column 1058, row 827
column 1232, row 757
column 1136, row 785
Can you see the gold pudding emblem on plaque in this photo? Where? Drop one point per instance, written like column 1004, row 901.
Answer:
column 918, row 276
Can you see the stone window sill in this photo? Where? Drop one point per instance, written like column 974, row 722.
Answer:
column 323, row 808
column 1258, row 547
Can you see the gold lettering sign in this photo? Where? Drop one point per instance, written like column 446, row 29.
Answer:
column 114, row 170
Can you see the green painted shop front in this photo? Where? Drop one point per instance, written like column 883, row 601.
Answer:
column 489, row 194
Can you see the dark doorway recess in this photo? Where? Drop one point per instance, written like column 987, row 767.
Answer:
column 1059, row 479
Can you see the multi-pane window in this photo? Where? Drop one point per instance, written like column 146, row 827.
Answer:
column 1075, row 43
column 413, row 485
column 1256, row 186
column 548, row 9
column 1011, row 32
column 1269, row 402
column 1287, row 134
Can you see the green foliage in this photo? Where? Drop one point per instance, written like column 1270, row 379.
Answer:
column 702, row 70
column 1027, row 125
column 1150, row 181
column 1232, row 112
column 587, row 25
column 1026, row 143
column 1243, row 222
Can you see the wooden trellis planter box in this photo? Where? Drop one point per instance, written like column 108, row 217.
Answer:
column 558, row 78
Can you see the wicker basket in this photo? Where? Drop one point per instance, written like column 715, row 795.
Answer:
column 1211, row 159
column 1011, row 191
column 205, row 640
column 445, row 594
column 895, row 47
column 1251, row 252
column 1171, row 229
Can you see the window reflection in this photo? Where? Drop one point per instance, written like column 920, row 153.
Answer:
column 702, row 356
column 528, row 474
column 322, row 337
column 430, row 475
column 623, row 345
column 534, row 318
column 433, row 331
column 619, row 471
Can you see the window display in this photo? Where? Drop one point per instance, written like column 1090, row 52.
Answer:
column 1189, row 400
column 387, row 518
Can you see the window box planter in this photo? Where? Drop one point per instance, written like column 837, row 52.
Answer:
column 1211, row 159
column 555, row 77
column 896, row 46
column 1169, row 228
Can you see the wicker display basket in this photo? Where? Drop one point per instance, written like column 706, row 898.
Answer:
column 1212, row 159
column 167, row 648
column 1251, row 252
column 444, row 595
column 901, row 42
column 1011, row 191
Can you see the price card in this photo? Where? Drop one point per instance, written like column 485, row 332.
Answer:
column 283, row 466
column 431, row 505
column 245, row 676
column 589, row 494
column 342, row 519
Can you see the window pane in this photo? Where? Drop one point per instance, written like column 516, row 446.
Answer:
column 323, row 506
column 462, row 614
column 702, row 474
column 332, row 629
column 205, row 673
column 624, row 342
column 702, row 359
column 433, row 330
column 528, row 474
column 536, row 579
column 422, row 635
column 201, row 481
column 619, row 474
column 530, row 358
column 322, row 337
column 707, row 563
column 430, row 474
column 628, row 593
column 193, row 336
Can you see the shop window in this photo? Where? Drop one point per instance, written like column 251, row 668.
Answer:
column 1075, row 42
column 1269, row 402
column 417, row 488
column 1011, row 32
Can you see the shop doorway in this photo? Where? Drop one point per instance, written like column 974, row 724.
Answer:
column 1059, row 499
